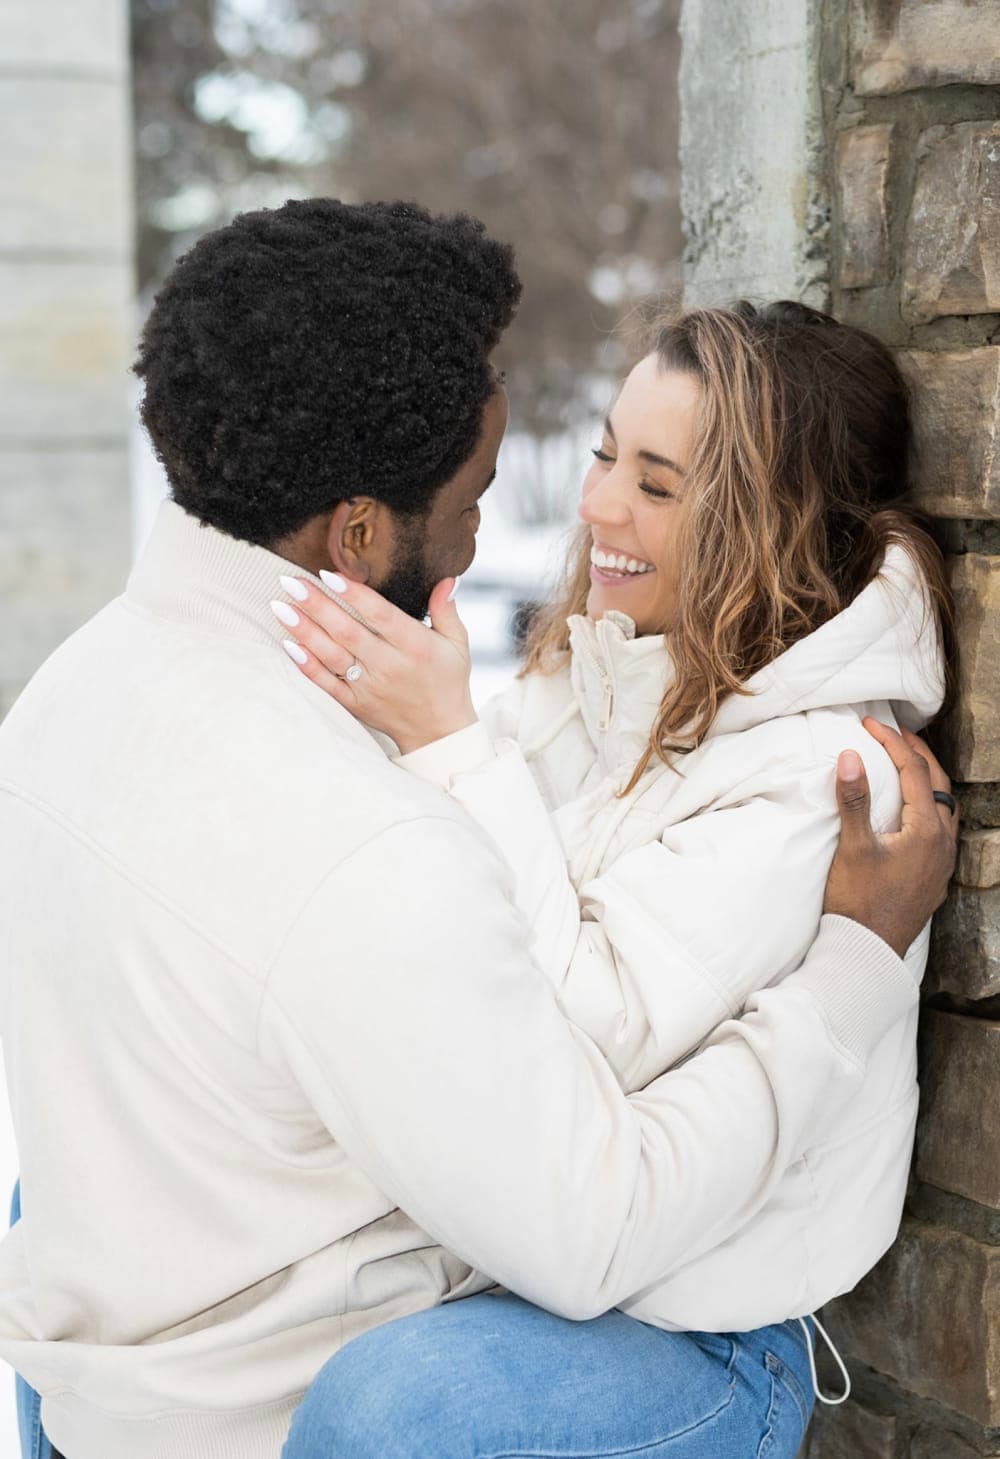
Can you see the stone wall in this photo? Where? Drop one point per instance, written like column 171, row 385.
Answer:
column 913, row 115
column 888, row 138
column 65, row 321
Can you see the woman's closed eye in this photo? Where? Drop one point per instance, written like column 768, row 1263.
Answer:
column 650, row 488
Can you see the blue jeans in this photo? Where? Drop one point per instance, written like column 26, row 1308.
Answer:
column 34, row 1444
column 491, row 1377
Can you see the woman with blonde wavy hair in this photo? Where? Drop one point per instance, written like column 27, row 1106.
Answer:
column 751, row 589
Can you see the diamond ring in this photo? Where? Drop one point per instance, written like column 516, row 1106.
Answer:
column 354, row 673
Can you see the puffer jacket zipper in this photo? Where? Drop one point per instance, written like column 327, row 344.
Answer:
column 607, row 687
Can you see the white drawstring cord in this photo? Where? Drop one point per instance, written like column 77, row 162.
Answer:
column 812, row 1362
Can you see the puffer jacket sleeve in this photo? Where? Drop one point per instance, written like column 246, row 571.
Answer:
column 670, row 940
column 676, row 934
column 501, row 714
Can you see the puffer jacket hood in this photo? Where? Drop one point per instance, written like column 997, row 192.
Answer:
column 883, row 646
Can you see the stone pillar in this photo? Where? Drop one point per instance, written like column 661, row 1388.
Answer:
column 65, row 321
column 753, row 190
column 847, row 152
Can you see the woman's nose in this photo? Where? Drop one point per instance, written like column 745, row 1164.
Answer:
column 604, row 504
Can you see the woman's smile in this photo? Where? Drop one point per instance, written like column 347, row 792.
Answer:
column 615, row 568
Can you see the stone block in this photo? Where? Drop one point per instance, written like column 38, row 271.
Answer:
column 926, row 1317
column 979, row 859
column 956, row 417
column 862, row 170
column 851, row 1431
column 935, row 1443
column 65, row 343
column 965, row 945
column 951, row 255
column 898, row 45
column 64, row 167
column 970, row 734
column 957, row 1149
column 65, row 544
column 965, row 939
column 85, row 36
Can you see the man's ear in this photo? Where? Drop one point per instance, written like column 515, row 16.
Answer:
column 353, row 538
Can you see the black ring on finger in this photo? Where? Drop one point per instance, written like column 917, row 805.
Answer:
column 944, row 798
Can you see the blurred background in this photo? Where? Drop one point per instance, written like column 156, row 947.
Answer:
column 556, row 124
column 135, row 128
column 129, row 130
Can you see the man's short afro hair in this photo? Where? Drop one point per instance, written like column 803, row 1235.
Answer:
column 306, row 354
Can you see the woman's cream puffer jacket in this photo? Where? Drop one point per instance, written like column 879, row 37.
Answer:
column 660, row 912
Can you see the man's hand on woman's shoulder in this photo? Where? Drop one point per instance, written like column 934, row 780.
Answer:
column 893, row 883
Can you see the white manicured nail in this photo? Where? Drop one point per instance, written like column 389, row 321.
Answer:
column 334, row 580
column 458, row 584
column 285, row 615
column 295, row 588
column 294, row 651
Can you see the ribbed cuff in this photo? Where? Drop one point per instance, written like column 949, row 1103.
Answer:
column 76, row 1427
column 441, row 760
column 860, row 983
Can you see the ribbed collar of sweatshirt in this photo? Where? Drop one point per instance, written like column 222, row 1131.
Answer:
column 220, row 587
column 200, row 576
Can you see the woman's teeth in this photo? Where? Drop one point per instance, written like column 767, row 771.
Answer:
column 617, row 564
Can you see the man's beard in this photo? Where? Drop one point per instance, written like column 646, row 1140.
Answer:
column 409, row 584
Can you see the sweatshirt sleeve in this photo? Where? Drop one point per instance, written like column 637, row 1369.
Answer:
column 406, row 1007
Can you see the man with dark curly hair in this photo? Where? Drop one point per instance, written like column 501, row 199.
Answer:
column 318, row 382
column 282, row 1066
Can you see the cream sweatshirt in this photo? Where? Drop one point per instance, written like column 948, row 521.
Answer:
column 281, row 1060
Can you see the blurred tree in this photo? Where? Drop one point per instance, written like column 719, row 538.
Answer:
column 554, row 122
column 194, row 168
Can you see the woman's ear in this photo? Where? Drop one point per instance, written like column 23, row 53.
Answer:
column 353, row 538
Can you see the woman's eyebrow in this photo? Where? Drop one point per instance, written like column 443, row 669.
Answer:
column 660, row 461
column 645, row 455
